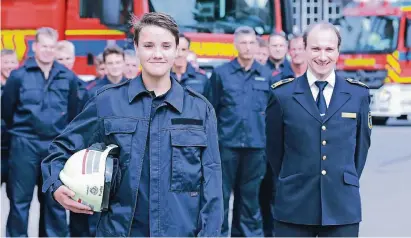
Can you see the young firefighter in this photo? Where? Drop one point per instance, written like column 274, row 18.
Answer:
column 171, row 181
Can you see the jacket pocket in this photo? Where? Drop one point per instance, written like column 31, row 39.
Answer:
column 187, row 148
column 120, row 132
column 260, row 90
column 351, row 179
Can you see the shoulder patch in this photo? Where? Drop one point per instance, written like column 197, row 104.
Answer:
column 281, row 82
column 356, row 82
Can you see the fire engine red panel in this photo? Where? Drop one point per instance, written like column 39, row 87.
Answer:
column 362, row 61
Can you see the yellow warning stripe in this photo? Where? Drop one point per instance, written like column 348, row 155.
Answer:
column 92, row 32
column 391, row 61
column 406, row 9
column 360, row 62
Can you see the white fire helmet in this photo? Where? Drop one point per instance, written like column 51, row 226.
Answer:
column 89, row 174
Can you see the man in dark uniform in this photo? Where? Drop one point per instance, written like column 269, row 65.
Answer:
column 184, row 72
column 169, row 157
column 38, row 101
column 318, row 136
column 277, row 61
column 66, row 55
column 298, row 66
column 113, row 58
column 100, row 70
column 263, row 52
column 9, row 62
column 239, row 93
column 131, row 64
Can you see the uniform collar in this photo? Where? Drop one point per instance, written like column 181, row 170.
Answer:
column 236, row 66
column 284, row 64
column 31, row 63
column 312, row 79
column 190, row 71
column 174, row 96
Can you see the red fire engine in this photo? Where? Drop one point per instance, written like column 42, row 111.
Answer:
column 376, row 49
column 92, row 24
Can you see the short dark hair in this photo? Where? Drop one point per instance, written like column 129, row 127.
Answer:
column 261, row 42
column 323, row 25
column 181, row 35
column 155, row 19
column 278, row 33
column 294, row 37
column 113, row 49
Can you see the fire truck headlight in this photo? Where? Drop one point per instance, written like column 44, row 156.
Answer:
column 384, row 95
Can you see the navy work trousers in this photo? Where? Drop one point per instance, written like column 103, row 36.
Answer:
column 24, row 174
column 243, row 170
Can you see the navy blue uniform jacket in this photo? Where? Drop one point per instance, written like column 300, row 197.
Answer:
column 185, row 168
column 316, row 162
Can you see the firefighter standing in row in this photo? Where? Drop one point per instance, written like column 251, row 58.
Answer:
column 9, row 62
column 38, row 101
column 263, row 51
column 66, row 55
column 239, row 93
column 100, row 71
column 131, row 64
column 298, row 66
column 184, row 72
column 277, row 61
column 113, row 58
column 318, row 136
column 167, row 134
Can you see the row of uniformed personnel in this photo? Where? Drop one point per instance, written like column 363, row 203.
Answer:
column 171, row 138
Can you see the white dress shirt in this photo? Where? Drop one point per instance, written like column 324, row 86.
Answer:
column 328, row 90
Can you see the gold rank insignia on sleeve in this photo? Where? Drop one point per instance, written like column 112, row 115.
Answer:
column 281, row 82
column 356, row 82
column 369, row 120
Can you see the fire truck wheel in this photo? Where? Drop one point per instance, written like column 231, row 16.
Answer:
column 379, row 120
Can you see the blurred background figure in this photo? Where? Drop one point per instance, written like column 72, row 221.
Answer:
column 9, row 62
column 132, row 64
column 184, row 72
column 65, row 54
column 277, row 45
column 100, row 66
column 192, row 59
column 113, row 59
column 263, row 52
column 296, row 51
column 36, row 106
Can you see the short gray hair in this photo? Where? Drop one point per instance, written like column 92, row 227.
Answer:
column 48, row 31
column 323, row 25
column 243, row 30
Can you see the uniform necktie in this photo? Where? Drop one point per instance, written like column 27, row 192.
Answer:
column 321, row 104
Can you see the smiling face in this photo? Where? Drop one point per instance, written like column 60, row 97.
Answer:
column 45, row 48
column 157, row 50
column 9, row 62
column 66, row 58
column 322, row 51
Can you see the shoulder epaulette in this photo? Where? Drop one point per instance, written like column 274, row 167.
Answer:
column 281, row 82
column 357, row 82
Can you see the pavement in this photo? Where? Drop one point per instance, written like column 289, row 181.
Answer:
column 385, row 185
